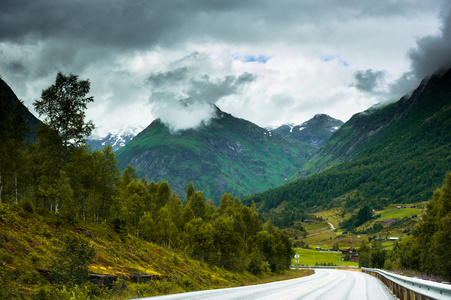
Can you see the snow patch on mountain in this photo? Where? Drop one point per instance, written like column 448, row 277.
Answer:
column 115, row 138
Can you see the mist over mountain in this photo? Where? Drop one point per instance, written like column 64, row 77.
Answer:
column 225, row 155
column 315, row 131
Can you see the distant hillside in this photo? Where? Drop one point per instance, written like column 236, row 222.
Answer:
column 229, row 155
column 398, row 153
column 315, row 131
column 12, row 100
column 370, row 129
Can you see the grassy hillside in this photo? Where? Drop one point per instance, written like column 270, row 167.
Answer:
column 29, row 242
column 228, row 155
column 320, row 234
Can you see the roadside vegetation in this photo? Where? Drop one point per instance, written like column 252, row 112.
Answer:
column 70, row 196
column 427, row 249
column 39, row 249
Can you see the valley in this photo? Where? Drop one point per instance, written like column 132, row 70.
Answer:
column 169, row 202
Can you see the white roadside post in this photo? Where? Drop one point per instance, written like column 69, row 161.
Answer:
column 297, row 262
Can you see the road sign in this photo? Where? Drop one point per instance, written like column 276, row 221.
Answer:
column 297, row 262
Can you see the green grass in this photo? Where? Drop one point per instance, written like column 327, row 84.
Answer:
column 399, row 213
column 312, row 257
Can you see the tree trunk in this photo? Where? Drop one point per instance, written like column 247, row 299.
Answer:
column 16, row 189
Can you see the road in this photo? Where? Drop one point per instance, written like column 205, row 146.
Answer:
column 331, row 226
column 324, row 284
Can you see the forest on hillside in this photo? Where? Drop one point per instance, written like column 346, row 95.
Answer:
column 60, row 174
column 426, row 253
column 401, row 160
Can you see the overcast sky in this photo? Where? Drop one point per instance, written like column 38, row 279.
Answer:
column 267, row 61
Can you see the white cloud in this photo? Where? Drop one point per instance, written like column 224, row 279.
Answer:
column 301, row 55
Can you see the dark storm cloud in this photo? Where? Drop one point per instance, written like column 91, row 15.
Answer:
column 15, row 67
column 139, row 24
column 183, row 100
column 431, row 54
column 77, row 33
column 210, row 91
column 368, row 81
column 97, row 39
column 167, row 78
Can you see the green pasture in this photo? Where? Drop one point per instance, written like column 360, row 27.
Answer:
column 311, row 257
column 398, row 213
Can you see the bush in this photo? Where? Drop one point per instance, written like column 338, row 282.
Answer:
column 33, row 257
column 62, row 292
column 71, row 263
column 31, row 278
column 28, row 206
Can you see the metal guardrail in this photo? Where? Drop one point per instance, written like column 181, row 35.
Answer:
column 403, row 287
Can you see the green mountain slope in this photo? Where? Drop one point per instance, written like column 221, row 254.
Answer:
column 228, row 155
column 395, row 154
column 363, row 130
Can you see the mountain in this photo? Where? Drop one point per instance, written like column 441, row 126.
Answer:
column 12, row 100
column 116, row 139
column 315, row 131
column 366, row 129
column 398, row 153
column 227, row 155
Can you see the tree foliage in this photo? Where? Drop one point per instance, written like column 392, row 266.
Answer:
column 64, row 104
column 428, row 249
column 363, row 215
column 60, row 174
column 72, row 261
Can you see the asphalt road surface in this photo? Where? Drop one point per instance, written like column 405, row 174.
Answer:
column 324, row 284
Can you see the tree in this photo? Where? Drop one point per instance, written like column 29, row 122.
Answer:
column 13, row 131
column 197, row 203
column 64, row 104
column 46, row 165
column 189, row 191
column 72, row 261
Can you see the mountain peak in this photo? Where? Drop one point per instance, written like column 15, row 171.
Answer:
column 315, row 131
column 225, row 155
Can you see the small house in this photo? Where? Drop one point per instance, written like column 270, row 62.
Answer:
column 350, row 251
column 393, row 239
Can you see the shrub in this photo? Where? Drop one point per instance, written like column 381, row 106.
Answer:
column 71, row 263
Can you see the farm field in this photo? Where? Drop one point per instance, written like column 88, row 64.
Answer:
column 395, row 213
column 313, row 257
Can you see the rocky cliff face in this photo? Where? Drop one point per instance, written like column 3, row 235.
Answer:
column 315, row 131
